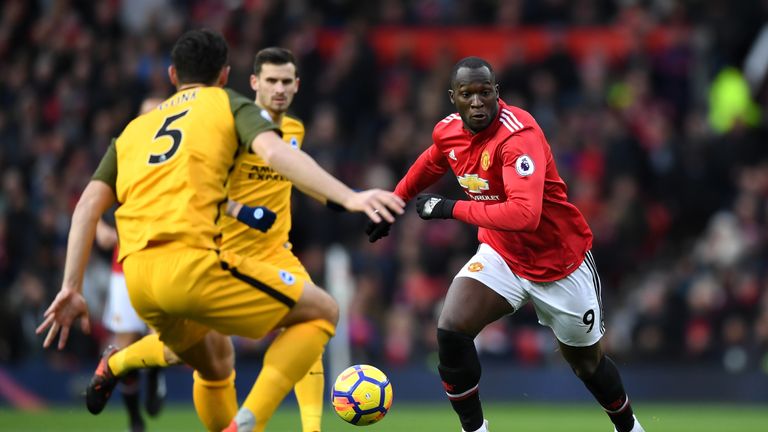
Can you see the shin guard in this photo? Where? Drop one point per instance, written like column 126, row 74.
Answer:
column 460, row 371
column 606, row 386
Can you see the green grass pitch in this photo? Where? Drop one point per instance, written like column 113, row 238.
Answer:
column 407, row 417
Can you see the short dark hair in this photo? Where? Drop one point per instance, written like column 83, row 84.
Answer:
column 273, row 55
column 199, row 56
column 471, row 63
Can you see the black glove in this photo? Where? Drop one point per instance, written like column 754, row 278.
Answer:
column 260, row 218
column 376, row 231
column 433, row 206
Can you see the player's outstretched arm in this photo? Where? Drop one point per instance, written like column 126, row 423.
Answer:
column 258, row 217
column 70, row 304
column 307, row 175
column 428, row 168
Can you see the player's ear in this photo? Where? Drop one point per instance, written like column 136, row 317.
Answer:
column 254, row 82
column 450, row 95
column 298, row 83
column 223, row 76
column 496, row 87
column 172, row 76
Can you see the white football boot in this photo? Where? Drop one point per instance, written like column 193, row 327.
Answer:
column 635, row 428
column 484, row 427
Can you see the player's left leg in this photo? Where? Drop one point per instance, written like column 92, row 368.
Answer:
column 572, row 307
column 601, row 377
column 146, row 352
column 213, row 390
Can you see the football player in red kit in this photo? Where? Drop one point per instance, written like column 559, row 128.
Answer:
column 534, row 244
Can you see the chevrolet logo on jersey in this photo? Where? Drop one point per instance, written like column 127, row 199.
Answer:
column 473, row 183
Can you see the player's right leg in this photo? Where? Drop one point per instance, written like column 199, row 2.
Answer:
column 308, row 326
column 470, row 305
column 309, row 390
column 213, row 390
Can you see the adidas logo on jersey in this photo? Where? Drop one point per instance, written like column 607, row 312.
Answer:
column 508, row 119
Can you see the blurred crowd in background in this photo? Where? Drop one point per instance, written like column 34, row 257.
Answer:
column 664, row 151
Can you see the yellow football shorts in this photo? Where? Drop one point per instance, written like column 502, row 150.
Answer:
column 282, row 257
column 183, row 292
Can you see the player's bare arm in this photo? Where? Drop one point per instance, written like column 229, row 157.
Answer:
column 307, row 175
column 70, row 304
column 317, row 197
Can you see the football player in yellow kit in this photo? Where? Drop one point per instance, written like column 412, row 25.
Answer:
column 168, row 169
column 252, row 182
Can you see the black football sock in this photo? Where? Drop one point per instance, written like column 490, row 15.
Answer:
column 460, row 371
column 129, row 387
column 606, row 386
column 155, row 391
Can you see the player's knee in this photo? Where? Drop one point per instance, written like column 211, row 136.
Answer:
column 220, row 357
column 453, row 345
column 451, row 322
column 170, row 357
column 328, row 307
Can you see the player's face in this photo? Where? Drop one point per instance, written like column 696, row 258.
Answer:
column 275, row 86
column 475, row 95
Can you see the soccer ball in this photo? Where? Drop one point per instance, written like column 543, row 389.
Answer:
column 362, row 395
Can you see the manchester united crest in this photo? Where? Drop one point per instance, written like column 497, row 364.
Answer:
column 485, row 160
column 475, row 267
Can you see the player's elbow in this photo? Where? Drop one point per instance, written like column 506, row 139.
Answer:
column 527, row 220
column 86, row 210
column 531, row 220
column 520, row 217
column 95, row 200
column 267, row 145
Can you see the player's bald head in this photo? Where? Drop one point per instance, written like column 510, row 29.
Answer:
column 472, row 63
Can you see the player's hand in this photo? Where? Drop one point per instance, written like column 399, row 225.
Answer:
column 433, row 206
column 377, row 231
column 260, row 218
column 68, row 306
column 377, row 204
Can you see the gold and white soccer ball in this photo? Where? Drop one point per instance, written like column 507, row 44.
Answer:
column 362, row 395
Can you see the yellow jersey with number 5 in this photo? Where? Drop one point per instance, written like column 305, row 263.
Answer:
column 255, row 183
column 169, row 167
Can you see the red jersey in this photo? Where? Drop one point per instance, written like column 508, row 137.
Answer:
column 516, row 197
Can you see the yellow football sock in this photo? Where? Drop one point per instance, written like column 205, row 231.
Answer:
column 287, row 360
column 145, row 352
column 309, row 395
column 215, row 401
